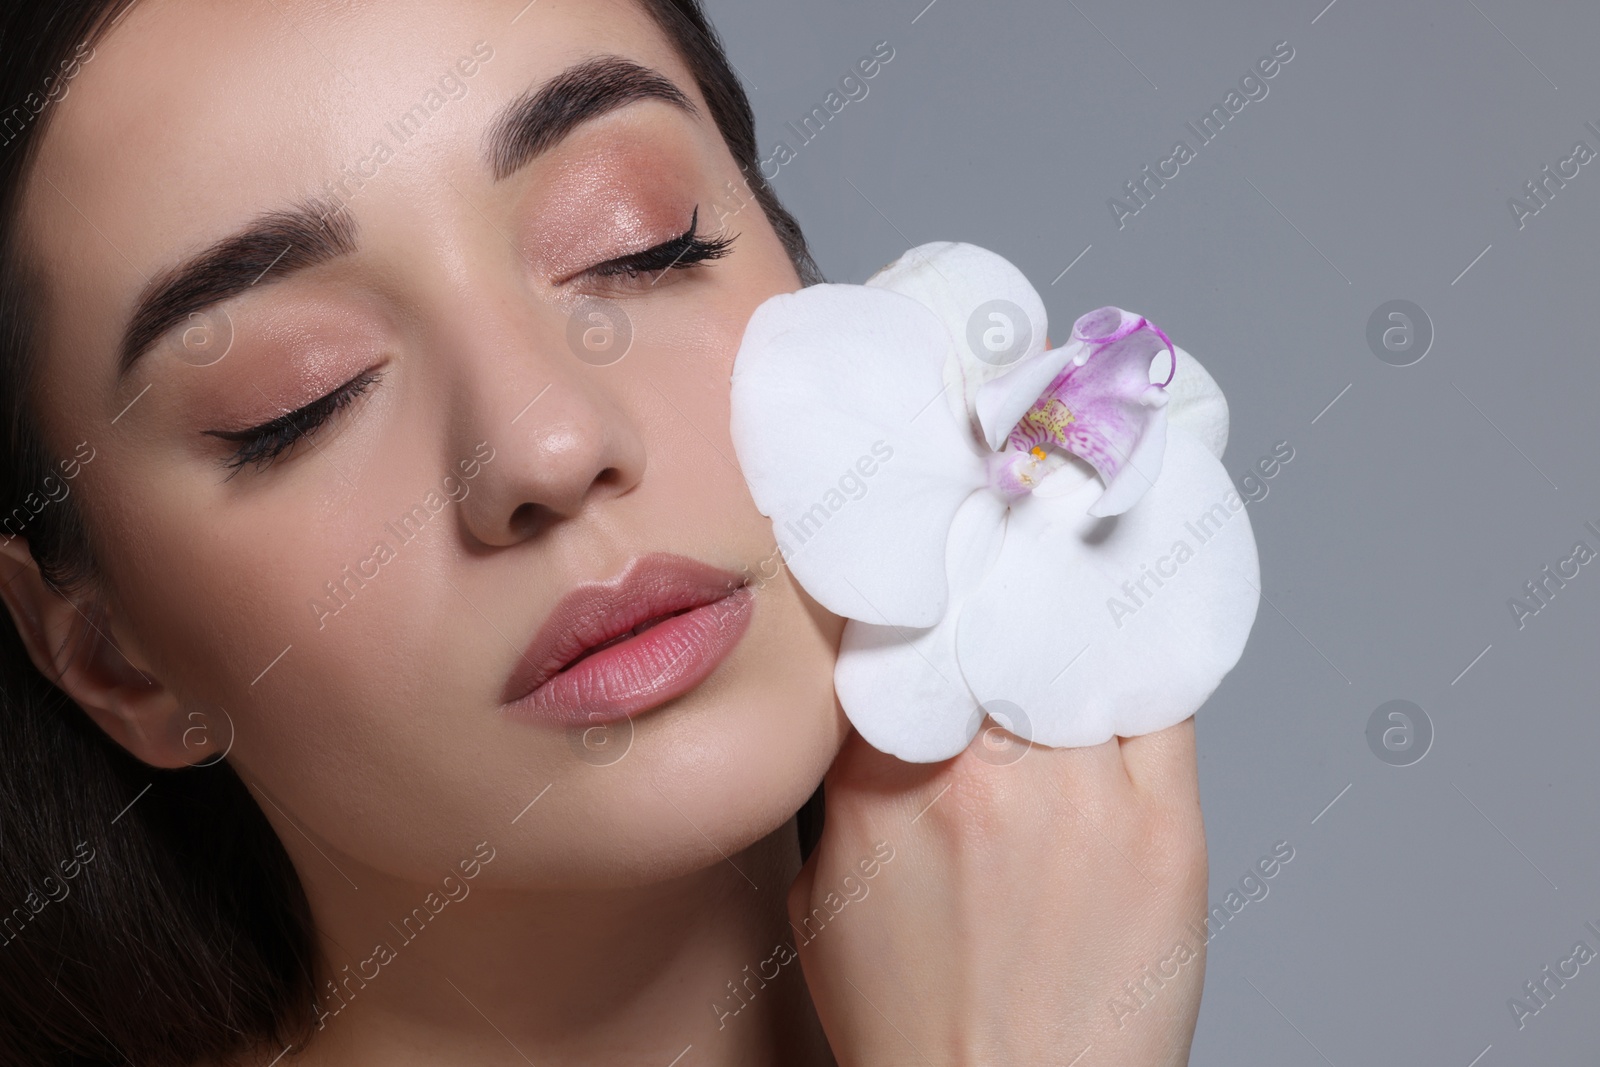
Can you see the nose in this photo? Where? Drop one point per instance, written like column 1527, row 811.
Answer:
column 562, row 437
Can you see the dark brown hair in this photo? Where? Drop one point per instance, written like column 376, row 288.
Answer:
column 152, row 916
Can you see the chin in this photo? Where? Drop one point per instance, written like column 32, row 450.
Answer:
column 704, row 778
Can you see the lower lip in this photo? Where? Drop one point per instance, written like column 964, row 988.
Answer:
column 645, row 671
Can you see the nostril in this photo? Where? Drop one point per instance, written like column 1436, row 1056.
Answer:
column 530, row 519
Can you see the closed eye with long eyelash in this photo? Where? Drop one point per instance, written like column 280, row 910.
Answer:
column 684, row 250
column 261, row 445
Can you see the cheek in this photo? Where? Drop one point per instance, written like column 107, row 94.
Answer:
column 357, row 681
column 680, row 373
column 240, row 602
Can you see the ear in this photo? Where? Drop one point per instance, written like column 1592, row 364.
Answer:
column 80, row 646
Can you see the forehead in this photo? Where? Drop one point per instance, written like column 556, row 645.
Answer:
column 193, row 116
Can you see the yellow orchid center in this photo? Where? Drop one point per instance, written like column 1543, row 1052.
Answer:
column 1051, row 418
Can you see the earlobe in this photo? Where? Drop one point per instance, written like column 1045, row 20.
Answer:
column 73, row 644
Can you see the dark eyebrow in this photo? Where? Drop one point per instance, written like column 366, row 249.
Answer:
column 537, row 120
column 319, row 229
column 275, row 245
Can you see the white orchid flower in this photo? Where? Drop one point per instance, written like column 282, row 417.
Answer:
column 1043, row 535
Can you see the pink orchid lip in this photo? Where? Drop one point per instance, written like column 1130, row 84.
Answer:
column 1083, row 411
column 1128, row 324
column 1076, row 380
column 1093, row 399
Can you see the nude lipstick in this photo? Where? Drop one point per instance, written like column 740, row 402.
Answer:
column 613, row 650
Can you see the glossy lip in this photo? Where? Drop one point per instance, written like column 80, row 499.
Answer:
column 586, row 666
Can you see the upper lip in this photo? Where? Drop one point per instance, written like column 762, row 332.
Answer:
column 649, row 589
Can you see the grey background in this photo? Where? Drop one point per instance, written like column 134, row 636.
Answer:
column 1414, row 508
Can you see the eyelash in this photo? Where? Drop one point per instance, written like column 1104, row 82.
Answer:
column 261, row 445
column 684, row 250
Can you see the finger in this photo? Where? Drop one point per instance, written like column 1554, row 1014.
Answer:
column 1164, row 762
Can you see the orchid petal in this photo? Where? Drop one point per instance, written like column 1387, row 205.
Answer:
column 903, row 688
column 977, row 294
column 1054, row 629
column 1197, row 403
column 838, row 433
column 1068, row 476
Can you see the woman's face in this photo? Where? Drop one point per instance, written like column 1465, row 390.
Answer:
column 496, row 454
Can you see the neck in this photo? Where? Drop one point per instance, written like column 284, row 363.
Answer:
column 480, row 975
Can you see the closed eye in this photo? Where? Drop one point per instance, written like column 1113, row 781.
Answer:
column 261, row 445
column 684, row 250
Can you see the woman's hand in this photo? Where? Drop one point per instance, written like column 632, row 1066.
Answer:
column 1016, row 905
